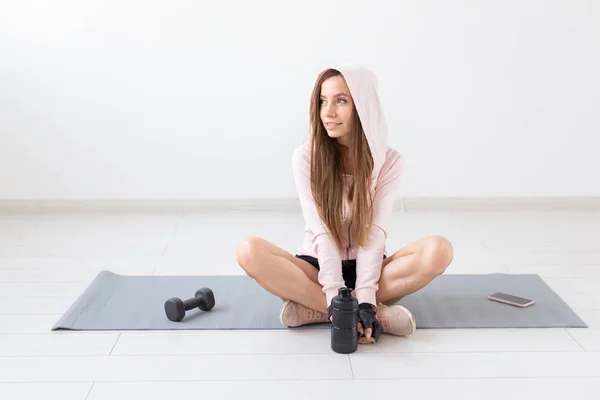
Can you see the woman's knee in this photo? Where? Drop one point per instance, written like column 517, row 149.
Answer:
column 249, row 253
column 437, row 253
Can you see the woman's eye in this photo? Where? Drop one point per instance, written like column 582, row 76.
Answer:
column 343, row 101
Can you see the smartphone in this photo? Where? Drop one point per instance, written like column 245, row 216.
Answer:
column 510, row 299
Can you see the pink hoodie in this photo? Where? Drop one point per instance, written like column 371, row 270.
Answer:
column 385, row 180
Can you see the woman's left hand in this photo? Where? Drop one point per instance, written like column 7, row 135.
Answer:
column 365, row 336
column 369, row 328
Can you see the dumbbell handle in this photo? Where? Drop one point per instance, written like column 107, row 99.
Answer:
column 192, row 303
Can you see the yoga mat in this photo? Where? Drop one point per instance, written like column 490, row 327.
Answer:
column 119, row 302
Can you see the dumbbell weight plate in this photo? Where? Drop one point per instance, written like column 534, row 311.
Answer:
column 171, row 309
column 209, row 298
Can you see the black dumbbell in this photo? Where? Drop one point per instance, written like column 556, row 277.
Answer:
column 175, row 308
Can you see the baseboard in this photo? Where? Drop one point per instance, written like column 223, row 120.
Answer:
column 403, row 204
column 482, row 204
column 146, row 205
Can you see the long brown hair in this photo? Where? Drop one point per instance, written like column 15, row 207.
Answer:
column 327, row 170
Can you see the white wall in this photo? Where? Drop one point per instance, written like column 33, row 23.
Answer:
column 188, row 99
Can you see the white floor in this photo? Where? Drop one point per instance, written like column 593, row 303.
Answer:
column 47, row 260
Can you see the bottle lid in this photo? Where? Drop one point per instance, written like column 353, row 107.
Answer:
column 344, row 293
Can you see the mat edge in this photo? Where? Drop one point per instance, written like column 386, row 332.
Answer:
column 103, row 274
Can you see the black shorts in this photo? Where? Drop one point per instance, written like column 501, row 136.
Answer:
column 348, row 269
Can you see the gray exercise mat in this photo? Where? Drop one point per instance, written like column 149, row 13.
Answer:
column 118, row 302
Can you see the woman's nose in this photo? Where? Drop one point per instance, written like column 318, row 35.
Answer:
column 330, row 110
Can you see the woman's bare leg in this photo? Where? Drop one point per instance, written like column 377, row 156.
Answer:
column 413, row 267
column 280, row 273
column 405, row 272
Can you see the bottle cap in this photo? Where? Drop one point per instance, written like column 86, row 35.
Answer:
column 344, row 293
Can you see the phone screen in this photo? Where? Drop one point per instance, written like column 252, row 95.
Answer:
column 511, row 298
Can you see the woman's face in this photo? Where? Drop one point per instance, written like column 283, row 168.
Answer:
column 336, row 108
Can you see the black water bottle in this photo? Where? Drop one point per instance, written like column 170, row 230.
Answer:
column 344, row 311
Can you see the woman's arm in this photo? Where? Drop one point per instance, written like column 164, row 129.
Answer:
column 369, row 259
column 330, row 262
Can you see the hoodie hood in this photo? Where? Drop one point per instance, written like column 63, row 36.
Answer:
column 363, row 86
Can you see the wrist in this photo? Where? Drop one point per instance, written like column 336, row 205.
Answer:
column 366, row 295
column 329, row 295
column 367, row 307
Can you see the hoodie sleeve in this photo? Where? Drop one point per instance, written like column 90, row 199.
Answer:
column 330, row 262
column 369, row 259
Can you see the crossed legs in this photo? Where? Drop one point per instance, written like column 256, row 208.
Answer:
column 406, row 271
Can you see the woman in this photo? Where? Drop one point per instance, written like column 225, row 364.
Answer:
column 347, row 180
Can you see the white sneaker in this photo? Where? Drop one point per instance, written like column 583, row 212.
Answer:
column 294, row 314
column 396, row 320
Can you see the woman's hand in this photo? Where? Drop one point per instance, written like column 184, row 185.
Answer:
column 369, row 328
column 365, row 336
